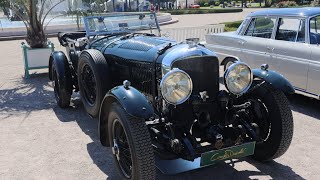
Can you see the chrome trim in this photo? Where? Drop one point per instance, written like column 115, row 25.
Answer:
column 176, row 70
column 306, row 93
column 182, row 51
column 226, row 73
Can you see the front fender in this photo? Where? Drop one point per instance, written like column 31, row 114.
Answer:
column 132, row 101
column 275, row 79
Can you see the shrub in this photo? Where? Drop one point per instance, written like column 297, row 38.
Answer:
column 292, row 4
column 268, row 3
column 232, row 26
column 217, row 3
column 211, row 3
column 212, row 6
column 225, row 4
column 206, row 4
column 202, row 2
column 202, row 11
column 315, row 3
column 285, row 4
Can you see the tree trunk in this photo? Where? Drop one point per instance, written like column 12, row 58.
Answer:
column 35, row 35
column 129, row 5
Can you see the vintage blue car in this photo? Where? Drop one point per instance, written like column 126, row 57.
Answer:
column 159, row 101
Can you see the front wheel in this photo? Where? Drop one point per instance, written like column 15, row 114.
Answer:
column 276, row 124
column 131, row 145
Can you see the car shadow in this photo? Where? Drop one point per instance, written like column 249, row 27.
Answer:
column 305, row 105
column 101, row 156
column 25, row 95
column 270, row 170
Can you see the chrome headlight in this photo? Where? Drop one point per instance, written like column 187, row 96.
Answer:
column 238, row 78
column 176, row 86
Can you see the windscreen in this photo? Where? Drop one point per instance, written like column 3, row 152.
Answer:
column 117, row 23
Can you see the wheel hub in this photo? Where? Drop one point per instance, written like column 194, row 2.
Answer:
column 115, row 150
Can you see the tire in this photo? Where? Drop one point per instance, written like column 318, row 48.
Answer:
column 228, row 63
column 95, row 82
column 62, row 91
column 139, row 142
column 280, row 120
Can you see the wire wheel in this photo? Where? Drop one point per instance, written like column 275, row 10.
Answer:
column 262, row 120
column 89, row 84
column 121, row 148
column 62, row 89
column 56, row 84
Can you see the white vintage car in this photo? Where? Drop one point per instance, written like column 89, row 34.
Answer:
column 285, row 39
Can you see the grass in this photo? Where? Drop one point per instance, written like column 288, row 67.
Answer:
column 214, row 7
column 231, row 26
column 256, row 5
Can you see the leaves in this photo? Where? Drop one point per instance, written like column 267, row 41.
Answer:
column 33, row 14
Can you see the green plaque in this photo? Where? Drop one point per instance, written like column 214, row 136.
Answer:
column 239, row 151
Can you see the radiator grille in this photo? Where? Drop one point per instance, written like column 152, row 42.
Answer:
column 204, row 72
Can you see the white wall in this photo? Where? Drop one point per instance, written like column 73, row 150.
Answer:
column 65, row 5
column 182, row 3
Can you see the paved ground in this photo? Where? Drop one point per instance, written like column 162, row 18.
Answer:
column 205, row 19
column 38, row 140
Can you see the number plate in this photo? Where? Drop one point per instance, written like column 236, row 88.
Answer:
column 239, row 151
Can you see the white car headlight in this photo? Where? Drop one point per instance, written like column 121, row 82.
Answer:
column 176, row 86
column 238, row 78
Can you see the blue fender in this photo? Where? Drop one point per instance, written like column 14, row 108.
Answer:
column 59, row 60
column 132, row 101
column 275, row 79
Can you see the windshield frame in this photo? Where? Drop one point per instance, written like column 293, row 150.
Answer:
column 105, row 16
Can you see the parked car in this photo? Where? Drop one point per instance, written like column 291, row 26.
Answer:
column 158, row 97
column 194, row 6
column 285, row 39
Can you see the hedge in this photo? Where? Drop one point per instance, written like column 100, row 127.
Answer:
column 202, row 11
column 231, row 26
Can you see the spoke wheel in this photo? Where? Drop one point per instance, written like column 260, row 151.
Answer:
column 262, row 119
column 62, row 90
column 121, row 149
column 89, row 84
column 56, row 86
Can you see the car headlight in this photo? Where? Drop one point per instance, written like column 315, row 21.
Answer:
column 176, row 86
column 238, row 78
